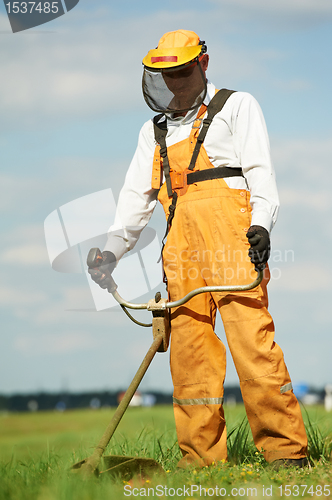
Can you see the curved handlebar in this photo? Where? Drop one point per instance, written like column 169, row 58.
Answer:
column 204, row 289
column 95, row 260
column 193, row 293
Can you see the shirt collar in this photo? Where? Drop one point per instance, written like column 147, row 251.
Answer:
column 211, row 90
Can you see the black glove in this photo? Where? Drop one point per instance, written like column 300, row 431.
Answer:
column 260, row 247
column 98, row 273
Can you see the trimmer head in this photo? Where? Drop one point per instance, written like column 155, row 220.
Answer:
column 125, row 467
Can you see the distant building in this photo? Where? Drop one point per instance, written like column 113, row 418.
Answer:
column 328, row 397
column 137, row 399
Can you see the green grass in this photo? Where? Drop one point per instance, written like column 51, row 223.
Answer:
column 38, row 449
column 26, row 434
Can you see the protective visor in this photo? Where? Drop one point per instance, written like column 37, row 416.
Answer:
column 174, row 90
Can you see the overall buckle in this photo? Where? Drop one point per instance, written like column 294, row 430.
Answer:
column 179, row 181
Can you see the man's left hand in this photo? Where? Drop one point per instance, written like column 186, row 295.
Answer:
column 260, row 247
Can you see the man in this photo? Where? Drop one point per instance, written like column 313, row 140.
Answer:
column 206, row 158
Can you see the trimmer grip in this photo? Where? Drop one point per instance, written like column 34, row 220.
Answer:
column 94, row 258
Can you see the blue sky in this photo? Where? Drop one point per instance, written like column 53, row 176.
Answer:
column 71, row 109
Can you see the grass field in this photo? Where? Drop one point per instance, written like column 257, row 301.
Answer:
column 37, row 450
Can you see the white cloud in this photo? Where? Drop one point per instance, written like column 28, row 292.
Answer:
column 92, row 70
column 65, row 183
column 75, row 296
column 295, row 85
column 14, row 190
column 27, row 233
column 30, row 254
column 24, row 246
column 58, row 75
column 308, row 8
column 302, row 278
column 308, row 159
column 80, row 71
column 238, row 65
column 18, row 296
column 74, row 307
column 322, row 314
column 54, row 343
column 319, row 201
column 304, row 173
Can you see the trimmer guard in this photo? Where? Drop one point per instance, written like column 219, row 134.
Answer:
column 127, row 467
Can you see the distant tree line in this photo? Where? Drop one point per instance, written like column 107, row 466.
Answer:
column 68, row 401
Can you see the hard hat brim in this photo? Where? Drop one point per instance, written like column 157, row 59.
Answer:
column 170, row 57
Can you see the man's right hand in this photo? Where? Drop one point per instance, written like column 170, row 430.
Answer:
column 99, row 272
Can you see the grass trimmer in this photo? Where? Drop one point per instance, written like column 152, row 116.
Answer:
column 128, row 466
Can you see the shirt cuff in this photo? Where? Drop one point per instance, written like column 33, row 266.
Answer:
column 117, row 243
column 262, row 218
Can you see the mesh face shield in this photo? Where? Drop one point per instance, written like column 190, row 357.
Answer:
column 174, row 90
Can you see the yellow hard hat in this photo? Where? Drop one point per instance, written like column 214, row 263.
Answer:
column 175, row 48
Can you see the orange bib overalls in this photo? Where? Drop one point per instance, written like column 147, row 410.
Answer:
column 207, row 245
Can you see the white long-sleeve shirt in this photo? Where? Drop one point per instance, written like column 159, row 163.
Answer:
column 237, row 137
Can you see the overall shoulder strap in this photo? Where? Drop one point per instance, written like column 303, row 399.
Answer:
column 160, row 132
column 216, row 104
